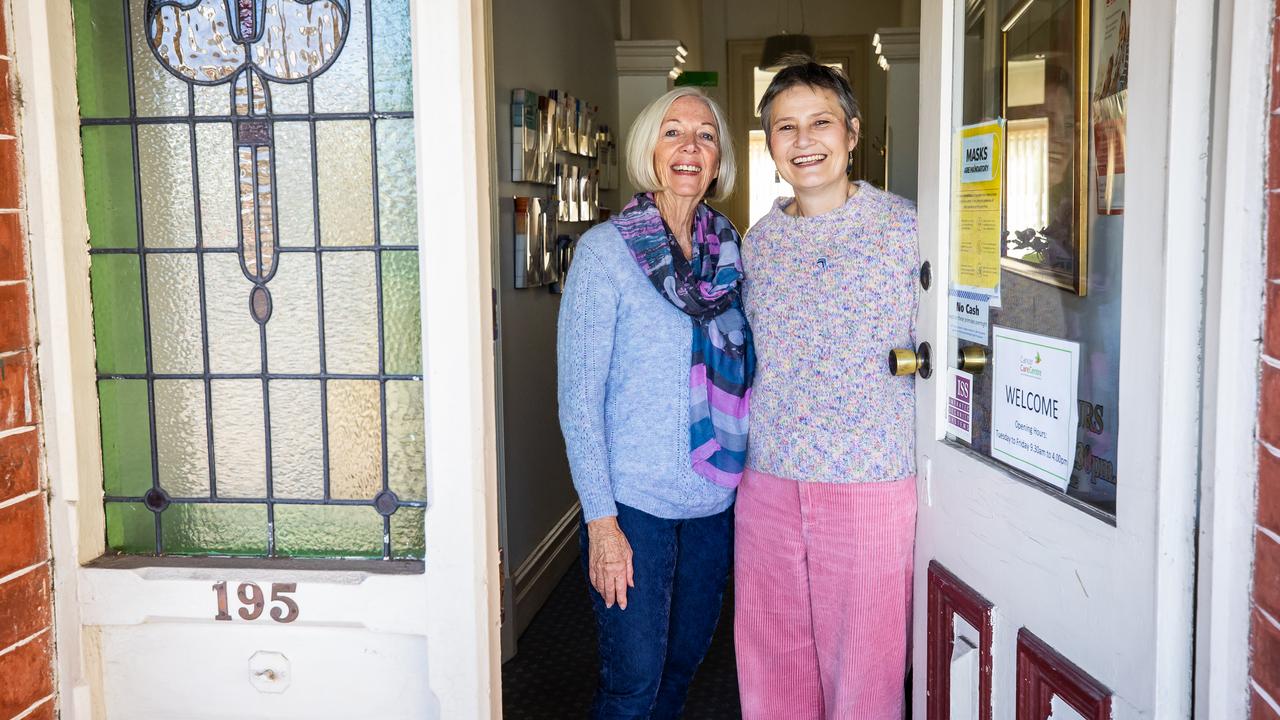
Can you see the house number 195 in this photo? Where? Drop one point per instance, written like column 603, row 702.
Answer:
column 254, row 602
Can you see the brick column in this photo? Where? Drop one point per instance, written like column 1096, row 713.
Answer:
column 26, row 634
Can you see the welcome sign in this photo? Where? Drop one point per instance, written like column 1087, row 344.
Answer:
column 1033, row 404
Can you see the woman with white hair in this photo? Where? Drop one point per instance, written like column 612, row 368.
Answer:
column 655, row 369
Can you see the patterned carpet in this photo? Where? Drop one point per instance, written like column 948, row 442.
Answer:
column 553, row 675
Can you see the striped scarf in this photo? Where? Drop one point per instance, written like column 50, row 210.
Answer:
column 706, row 288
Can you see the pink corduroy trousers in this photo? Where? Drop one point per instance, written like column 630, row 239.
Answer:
column 822, row 597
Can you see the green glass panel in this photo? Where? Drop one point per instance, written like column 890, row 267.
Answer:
column 116, row 288
column 297, row 453
column 182, row 438
column 108, row 186
column 173, row 296
column 328, row 531
column 214, row 529
column 407, row 533
column 397, row 187
column 239, row 440
column 101, row 79
column 350, row 313
column 401, row 313
column 355, row 439
column 344, row 86
column 392, row 58
column 293, row 334
column 126, row 437
column 406, row 442
column 344, row 160
column 131, row 528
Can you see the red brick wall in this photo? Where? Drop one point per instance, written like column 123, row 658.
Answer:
column 26, row 635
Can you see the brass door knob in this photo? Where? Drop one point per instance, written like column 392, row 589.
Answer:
column 904, row 361
column 971, row 359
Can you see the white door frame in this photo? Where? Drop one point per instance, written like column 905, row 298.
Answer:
column 452, row 108
column 1233, row 320
column 1164, row 260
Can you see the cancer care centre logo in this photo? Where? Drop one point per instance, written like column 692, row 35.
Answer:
column 1029, row 367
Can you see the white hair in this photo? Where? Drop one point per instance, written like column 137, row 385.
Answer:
column 642, row 142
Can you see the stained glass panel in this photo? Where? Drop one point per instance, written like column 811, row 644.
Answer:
column 157, row 92
column 116, row 285
column 406, row 459
column 215, row 529
column 401, row 313
column 168, row 209
column 355, row 439
column 392, row 55
column 351, row 312
column 297, row 439
column 182, row 438
column 346, row 176
column 254, row 275
column 131, row 528
column 397, row 191
column 126, row 440
column 217, row 183
column 110, row 203
column 101, row 74
column 328, row 531
column 239, row 438
column 173, row 295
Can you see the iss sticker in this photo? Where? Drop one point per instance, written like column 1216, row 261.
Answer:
column 960, row 404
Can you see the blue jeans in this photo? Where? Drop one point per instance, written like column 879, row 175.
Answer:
column 649, row 652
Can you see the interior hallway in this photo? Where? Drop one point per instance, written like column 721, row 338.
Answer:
column 554, row 674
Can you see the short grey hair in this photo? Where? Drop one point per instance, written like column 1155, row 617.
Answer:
column 804, row 71
column 642, row 142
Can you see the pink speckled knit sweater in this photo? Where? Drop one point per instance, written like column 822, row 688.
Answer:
column 828, row 297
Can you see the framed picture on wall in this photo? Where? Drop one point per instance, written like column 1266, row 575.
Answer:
column 1045, row 98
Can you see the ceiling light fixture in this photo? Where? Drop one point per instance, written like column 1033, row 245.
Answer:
column 777, row 47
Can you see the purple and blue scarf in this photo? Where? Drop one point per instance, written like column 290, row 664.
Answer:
column 706, row 288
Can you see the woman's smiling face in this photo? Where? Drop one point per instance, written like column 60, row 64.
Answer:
column 810, row 140
column 687, row 157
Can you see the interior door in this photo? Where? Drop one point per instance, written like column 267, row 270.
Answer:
column 1056, row 431
column 758, row 181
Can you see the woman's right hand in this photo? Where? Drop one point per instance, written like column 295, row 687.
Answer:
column 609, row 561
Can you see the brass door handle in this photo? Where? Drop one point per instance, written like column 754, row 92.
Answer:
column 971, row 359
column 904, row 361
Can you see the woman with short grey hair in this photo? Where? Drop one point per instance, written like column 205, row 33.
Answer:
column 655, row 370
column 825, row 518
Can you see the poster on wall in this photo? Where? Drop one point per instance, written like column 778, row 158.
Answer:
column 1110, row 101
column 976, row 210
column 1033, row 404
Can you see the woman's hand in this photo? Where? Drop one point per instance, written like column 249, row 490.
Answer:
column 609, row 561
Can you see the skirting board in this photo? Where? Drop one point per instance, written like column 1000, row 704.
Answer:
column 537, row 576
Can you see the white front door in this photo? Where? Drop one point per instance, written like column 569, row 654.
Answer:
column 1055, row 556
column 237, row 305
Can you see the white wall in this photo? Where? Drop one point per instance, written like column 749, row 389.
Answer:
column 551, row 44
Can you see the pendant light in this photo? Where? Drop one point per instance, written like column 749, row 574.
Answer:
column 777, row 47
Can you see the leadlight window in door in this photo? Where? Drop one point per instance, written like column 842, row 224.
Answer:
column 249, row 186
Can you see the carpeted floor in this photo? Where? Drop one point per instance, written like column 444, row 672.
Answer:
column 554, row 671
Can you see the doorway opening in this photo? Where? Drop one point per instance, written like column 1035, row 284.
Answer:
column 601, row 64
